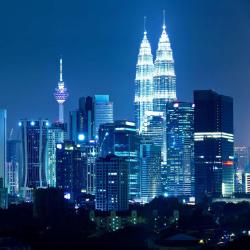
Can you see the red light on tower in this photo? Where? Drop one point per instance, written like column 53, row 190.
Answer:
column 228, row 163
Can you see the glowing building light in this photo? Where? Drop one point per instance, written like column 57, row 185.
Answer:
column 81, row 137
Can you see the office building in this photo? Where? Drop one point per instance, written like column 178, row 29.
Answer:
column 241, row 165
column 155, row 128
column 13, row 166
column 34, row 137
column 3, row 195
column 3, row 129
column 71, row 170
column 120, row 138
column 178, row 179
column 247, row 183
column 111, row 183
column 213, row 145
column 92, row 112
column 150, row 164
column 56, row 134
column 103, row 112
column 90, row 151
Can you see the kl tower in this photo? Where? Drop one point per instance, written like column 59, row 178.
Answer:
column 61, row 94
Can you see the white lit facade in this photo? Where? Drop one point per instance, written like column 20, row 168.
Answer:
column 143, row 82
column 164, row 79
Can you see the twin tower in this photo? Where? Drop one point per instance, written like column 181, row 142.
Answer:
column 155, row 81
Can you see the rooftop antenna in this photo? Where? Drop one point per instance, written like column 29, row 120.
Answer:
column 164, row 21
column 145, row 19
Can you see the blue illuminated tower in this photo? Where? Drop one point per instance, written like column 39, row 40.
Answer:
column 143, row 82
column 178, row 177
column 61, row 94
column 164, row 74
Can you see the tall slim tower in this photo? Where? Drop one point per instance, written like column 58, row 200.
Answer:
column 164, row 74
column 61, row 94
column 143, row 82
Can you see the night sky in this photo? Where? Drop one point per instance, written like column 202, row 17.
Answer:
column 99, row 41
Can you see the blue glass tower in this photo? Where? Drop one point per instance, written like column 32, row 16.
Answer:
column 120, row 138
column 178, row 177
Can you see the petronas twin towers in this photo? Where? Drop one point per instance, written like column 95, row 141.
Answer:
column 155, row 81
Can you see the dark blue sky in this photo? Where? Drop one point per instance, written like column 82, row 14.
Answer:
column 99, row 41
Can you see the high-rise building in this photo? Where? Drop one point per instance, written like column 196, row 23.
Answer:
column 178, row 179
column 56, row 134
column 120, row 138
column 3, row 195
column 213, row 144
column 150, row 162
column 13, row 166
column 111, row 183
column 61, row 94
column 71, row 174
column 92, row 112
column 3, row 129
column 241, row 164
column 103, row 111
column 154, row 128
column 82, row 120
column 90, row 151
column 247, row 183
column 143, row 82
column 34, row 136
column 164, row 79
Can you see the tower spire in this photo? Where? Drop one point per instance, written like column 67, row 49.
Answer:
column 164, row 20
column 61, row 70
column 145, row 19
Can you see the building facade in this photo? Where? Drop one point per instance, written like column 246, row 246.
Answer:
column 103, row 112
column 56, row 134
column 164, row 79
column 34, row 138
column 13, row 166
column 178, row 180
column 120, row 138
column 71, row 170
column 143, row 82
column 213, row 145
column 111, row 183
column 241, row 165
column 150, row 164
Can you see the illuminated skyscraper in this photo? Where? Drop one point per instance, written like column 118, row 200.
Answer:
column 241, row 161
column 154, row 128
column 61, row 94
column 13, row 166
column 164, row 79
column 120, row 139
column 111, row 183
column 178, row 179
column 56, row 134
column 143, row 82
column 150, row 164
column 103, row 111
column 34, row 136
column 213, row 145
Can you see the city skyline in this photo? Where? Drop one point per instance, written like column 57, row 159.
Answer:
column 34, row 64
